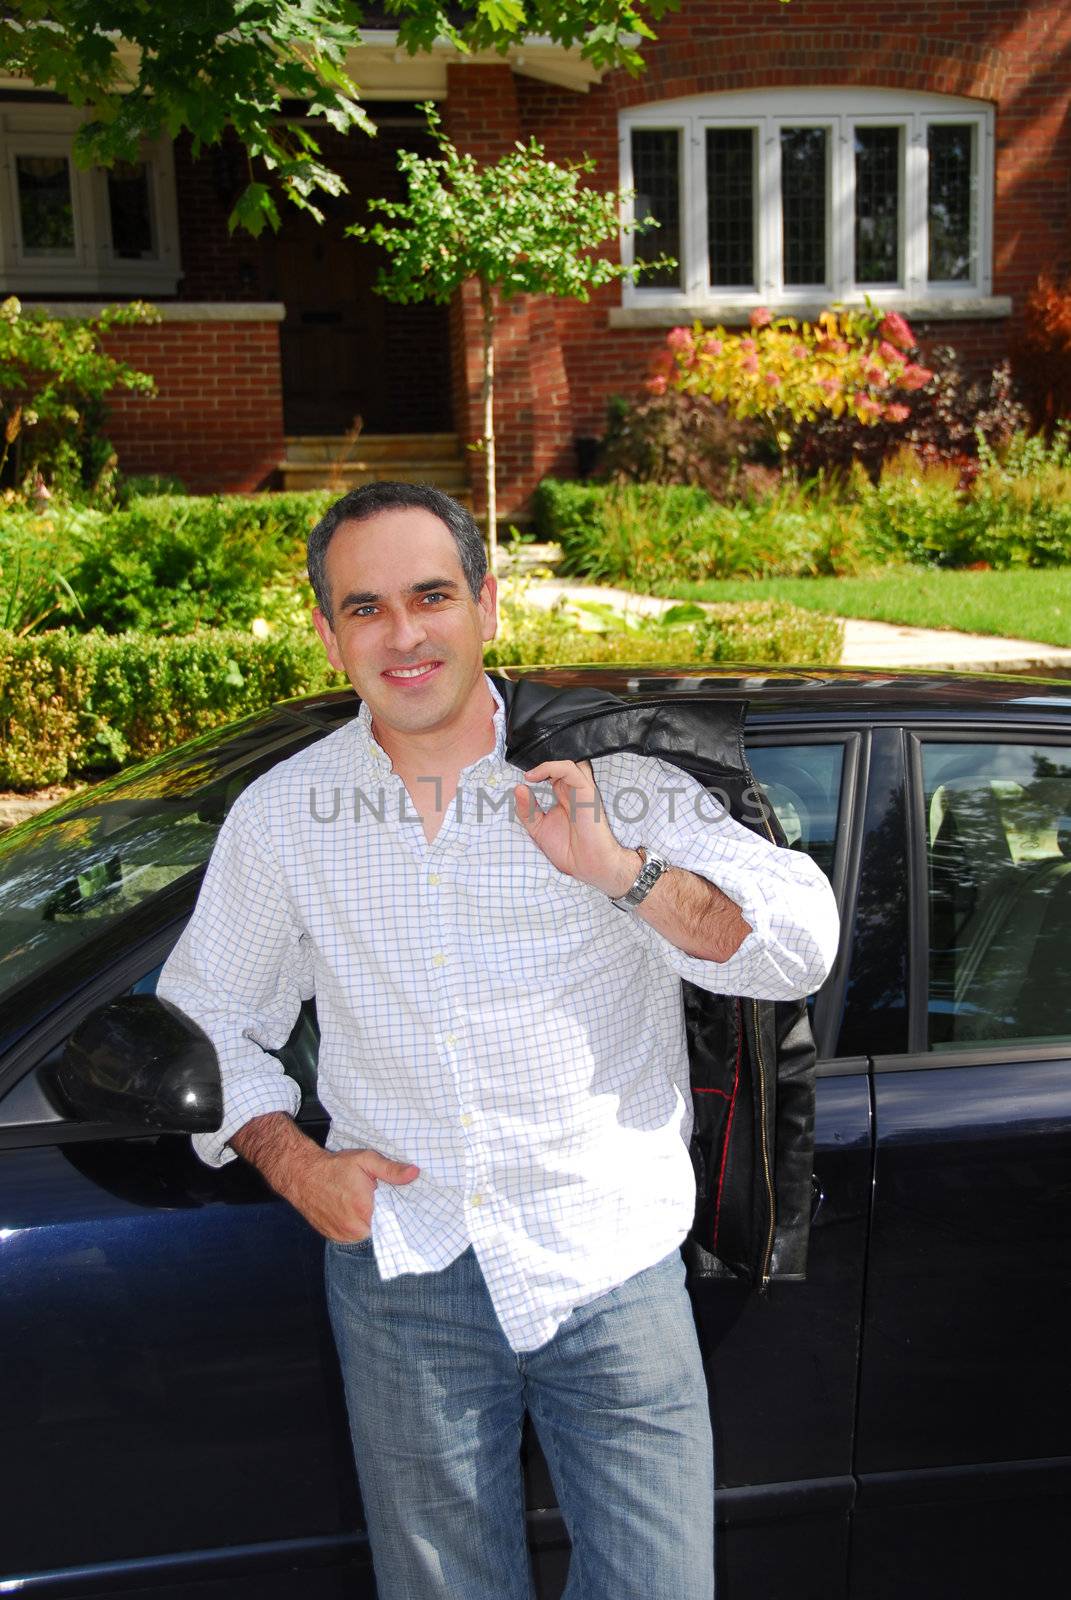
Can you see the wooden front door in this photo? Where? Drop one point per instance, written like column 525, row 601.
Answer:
column 347, row 352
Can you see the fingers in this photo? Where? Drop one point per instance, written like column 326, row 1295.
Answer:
column 573, row 774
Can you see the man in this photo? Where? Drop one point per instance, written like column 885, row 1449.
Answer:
column 506, row 1180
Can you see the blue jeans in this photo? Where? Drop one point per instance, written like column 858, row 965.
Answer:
column 436, row 1399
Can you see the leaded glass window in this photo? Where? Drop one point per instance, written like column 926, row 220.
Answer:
column 46, row 212
column 130, row 210
column 656, row 166
column 731, row 206
column 804, row 167
column 950, row 149
column 877, row 205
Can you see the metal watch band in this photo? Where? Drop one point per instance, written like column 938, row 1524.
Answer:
column 648, row 875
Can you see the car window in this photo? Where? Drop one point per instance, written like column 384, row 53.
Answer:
column 803, row 783
column 94, row 859
column 998, row 852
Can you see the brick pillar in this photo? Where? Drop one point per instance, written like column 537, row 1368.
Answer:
column 532, row 403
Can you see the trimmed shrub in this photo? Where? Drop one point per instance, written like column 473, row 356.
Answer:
column 74, row 703
column 1043, row 352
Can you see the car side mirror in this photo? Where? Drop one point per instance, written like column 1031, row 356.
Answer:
column 138, row 1061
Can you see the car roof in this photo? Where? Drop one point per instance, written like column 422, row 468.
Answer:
column 792, row 691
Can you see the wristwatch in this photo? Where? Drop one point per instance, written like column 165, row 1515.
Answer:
column 649, row 874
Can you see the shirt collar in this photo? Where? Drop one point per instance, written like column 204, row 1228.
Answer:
column 373, row 754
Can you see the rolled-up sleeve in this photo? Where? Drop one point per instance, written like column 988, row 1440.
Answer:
column 240, row 970
column 785, row 899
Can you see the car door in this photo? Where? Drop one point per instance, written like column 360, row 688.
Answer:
column 169, row 1407
column 964, row 1405
column 782, row 1366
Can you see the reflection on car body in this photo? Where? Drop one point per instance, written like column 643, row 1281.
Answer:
column 894, row 1426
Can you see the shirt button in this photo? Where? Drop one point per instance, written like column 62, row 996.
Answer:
column 477, row 1199
column 466, row 1119
column 434, row 879
column 451, row 1038
column 438, row 959
column 493, row 780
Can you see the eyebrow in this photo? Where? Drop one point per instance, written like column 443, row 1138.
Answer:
column 366, row 597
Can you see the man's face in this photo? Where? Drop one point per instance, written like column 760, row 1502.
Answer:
column 405, row 629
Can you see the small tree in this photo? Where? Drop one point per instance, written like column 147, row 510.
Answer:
column 522, row 225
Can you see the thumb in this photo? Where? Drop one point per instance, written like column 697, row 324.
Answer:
column 378, row 1166
column 529, row 811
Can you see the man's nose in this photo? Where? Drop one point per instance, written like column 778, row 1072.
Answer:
column 407, row 631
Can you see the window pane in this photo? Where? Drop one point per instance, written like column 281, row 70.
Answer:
column 803, row 204
column 130, row 208
column 802, row 783
column 951, row 183
column 656, row 179
column 45, row 209
column 877, row 205
column 731, row 206
column 999, row 834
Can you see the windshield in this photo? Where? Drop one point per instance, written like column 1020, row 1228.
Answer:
column 93, row 859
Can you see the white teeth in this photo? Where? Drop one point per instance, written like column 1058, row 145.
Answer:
column 409, row 672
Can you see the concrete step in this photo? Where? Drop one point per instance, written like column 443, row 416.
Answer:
column 351, row 474
column 374, row 447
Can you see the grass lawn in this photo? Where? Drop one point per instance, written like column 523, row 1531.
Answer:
column 1026, row 603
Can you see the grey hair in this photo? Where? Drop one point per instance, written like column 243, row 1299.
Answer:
column 372, row 498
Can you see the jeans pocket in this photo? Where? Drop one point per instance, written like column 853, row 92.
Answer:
column 352, row 1247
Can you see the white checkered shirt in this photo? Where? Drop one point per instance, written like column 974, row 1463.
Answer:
column 483, row 1015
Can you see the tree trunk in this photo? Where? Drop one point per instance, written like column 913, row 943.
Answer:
column 489, row 422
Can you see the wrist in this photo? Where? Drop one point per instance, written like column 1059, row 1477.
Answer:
column 620, row 878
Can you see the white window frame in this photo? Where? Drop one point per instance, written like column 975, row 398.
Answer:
column 36, row 129
column 839, row 110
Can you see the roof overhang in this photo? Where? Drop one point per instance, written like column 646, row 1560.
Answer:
column 384, row 70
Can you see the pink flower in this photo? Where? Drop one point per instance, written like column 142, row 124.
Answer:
column 915, row 377
column 751, row 363
column 866, row 407
column 657, row 385
column 772, row 379
column 873, row 373
column 799, row 352
column 897, row 413
column 888, row 352
column 748, row 345
column 760, row 317
column 712, row 346
column 679, row 338
column 895, row 329
column 830, row 385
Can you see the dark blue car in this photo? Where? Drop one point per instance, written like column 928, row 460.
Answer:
column 896, row 1428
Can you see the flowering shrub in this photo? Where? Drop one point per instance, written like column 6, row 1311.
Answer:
column 675, row 438
column 946, row 422
column 786, row 373
column 54, row 376
column 1043, row 354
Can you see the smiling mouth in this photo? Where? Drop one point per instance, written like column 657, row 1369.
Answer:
column 415, row 674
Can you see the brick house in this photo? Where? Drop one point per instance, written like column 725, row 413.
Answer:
column 793, row 155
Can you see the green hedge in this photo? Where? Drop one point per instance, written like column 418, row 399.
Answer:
column 77, row 703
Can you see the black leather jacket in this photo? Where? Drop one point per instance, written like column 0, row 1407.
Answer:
column 753, row 1139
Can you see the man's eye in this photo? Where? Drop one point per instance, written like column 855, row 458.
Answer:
column 435, row 594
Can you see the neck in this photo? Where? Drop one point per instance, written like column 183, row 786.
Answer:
column 435, row 752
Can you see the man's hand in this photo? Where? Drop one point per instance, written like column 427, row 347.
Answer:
column 575, row 834
column 333, row 1189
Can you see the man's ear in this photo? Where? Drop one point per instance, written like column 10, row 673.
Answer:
column 327, row 638
column 488, row 604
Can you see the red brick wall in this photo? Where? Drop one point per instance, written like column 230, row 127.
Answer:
column 1016, row 55
column 216, row 420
